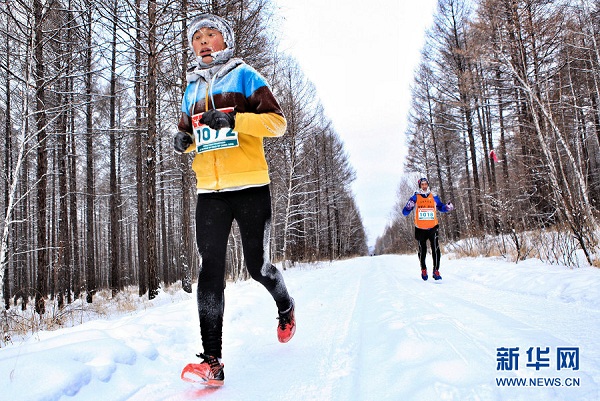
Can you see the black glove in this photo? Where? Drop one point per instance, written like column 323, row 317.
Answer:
column 182, row 141
column 216, row 119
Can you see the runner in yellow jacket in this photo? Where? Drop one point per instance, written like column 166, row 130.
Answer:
column 227, row 110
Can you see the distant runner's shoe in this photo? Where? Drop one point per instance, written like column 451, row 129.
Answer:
column 209, row 372
column 287, row 324
column 436, row 275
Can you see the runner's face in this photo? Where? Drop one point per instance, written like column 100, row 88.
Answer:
column 207, row 41
column 424, row 185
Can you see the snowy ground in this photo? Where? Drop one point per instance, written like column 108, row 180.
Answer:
column 368, row 329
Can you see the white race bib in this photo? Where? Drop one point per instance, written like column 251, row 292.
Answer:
column 208, row 139
column 426, row 213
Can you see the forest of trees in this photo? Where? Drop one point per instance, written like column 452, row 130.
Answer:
column 94, row 196
column 505, row 121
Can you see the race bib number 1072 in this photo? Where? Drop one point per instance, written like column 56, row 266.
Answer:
column 208, row 139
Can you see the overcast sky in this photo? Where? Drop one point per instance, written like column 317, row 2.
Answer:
column 361, row 56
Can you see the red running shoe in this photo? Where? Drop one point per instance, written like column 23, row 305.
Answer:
column 287, row 324
column 436, row 275
column 424, row 275
column 209, row 372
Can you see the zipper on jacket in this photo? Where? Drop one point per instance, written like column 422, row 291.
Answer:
column 208, row 99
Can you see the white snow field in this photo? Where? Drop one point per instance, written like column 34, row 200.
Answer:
column 367, row 329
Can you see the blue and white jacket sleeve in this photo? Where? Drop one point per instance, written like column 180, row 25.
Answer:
column 441, row 206
column 406, row 211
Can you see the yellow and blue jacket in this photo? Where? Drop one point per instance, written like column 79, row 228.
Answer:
column 258, row 115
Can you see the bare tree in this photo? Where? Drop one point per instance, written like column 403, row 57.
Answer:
column 90, row 221
column 185, row 258
column 94, row 197
column 291, row 197
column 524, row 73
column 40, row 13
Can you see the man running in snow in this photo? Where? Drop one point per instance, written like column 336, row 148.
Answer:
column 426, row 224
column 227, row 110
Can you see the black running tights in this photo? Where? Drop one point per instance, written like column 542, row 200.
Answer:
column 215, row 212
column 432, row 236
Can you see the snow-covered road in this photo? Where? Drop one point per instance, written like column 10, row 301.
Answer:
column 367, row 329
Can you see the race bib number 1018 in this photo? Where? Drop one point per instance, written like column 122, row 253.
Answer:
column 426, row 214
column 208, row 139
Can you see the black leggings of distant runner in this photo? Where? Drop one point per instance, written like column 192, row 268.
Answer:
column 215, row 212
column 423, row 236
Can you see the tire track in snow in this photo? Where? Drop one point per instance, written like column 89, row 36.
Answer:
column 339, row 334
column 372, row 329
column 457, row 327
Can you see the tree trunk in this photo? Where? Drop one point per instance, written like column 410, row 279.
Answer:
column 114, row 190
column 74, row 226
column 186, row 175
column 90, row 257
column 503, row 152
column 153, row 283
column 42, row 159
column 8, row 173
column 139, row 167
column 63, row 264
